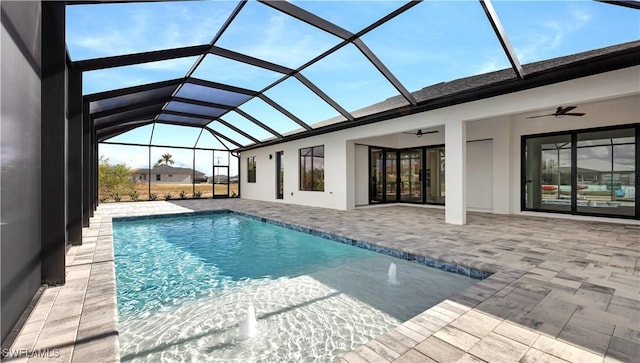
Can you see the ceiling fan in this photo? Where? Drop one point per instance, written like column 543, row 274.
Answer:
column 562, row 111
column 419, row 133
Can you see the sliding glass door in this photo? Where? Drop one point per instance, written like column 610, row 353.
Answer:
column 411, row 175
column 590, row 172
column 391, row 176
column 606, row 173
column 548, row 173
column 376, row 176
column 407, row 175
column 435, row 176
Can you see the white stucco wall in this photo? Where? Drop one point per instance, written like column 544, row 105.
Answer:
column 361, row 174
column 335, row 191
column 611, row 98
column 480, row 175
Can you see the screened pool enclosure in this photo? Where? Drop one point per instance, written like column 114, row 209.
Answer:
column 222, row 77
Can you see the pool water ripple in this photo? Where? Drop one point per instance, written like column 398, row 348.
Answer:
column 185, row 283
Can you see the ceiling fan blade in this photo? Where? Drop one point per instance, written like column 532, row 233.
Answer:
column 574, row 114
column 430, row 132
column 551, row 114
column 409, row 133
column 563, row 111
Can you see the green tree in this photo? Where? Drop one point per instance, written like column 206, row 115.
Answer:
column 114, row 180
column 166, row 158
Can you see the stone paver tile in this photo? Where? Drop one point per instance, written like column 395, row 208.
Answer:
column 469, row 358
column 457, row 337
column 382, row 350
column 535, row 356
column 353, row 357
column 370, row 355
column 33, row 326
column 393, row 343
column 437, row 316
column 446, row 312
column 418, row 328
column 25, row 341
column 415, row 336
column 497, row 348
column 548, row 317
column 413, row 356
column 623, row 261
column 598, row 257
column 595, row 320
column 626, row 307
column 565, row 351
column 476, row 323
column 623, row 332
column 623, row 278
column 595, row 295
column 585, row 337
column 564, row 282
column 624, row 350
column 439, row 350
column 100, row 350
column 454, row 307
column 516, row 332
column 429, row 323
column 462, row 298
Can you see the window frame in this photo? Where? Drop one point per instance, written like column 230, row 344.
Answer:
column 251, row 172
column 316, row 186
column 574, row 137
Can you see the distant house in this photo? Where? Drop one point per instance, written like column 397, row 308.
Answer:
column 222, row 179
column 165, row 174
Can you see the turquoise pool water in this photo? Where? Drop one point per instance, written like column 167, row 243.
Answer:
column 185, row 283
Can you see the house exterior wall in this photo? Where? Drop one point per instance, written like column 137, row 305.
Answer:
column 173, row 179
column 601, row 113
column 362, row 169
column 610, row 98
column 165, row 178
column 20, row 62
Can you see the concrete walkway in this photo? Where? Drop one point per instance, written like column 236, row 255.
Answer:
column 562, row 290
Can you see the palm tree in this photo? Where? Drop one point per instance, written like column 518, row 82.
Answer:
column 166, row 158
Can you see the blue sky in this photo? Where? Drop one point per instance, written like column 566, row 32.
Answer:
column 433, row 42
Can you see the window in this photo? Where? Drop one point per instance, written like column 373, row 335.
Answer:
column 251, row 169
column 170, row 175
column 158, row 177
column 590, row 172
column 312, row 168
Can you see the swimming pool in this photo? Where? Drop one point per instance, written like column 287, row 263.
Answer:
column 185, row 283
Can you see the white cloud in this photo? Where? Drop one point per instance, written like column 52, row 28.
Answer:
column 490, row 65
column 124, row 29
column 282, row 40
column 552, row 34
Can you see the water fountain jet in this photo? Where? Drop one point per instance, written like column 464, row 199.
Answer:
column 392, row 274
column 249, row 326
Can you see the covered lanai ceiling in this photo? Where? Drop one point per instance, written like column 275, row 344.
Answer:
column 275, row 70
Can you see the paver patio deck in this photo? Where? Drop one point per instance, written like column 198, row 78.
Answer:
column 562, row 290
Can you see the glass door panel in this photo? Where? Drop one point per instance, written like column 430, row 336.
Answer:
column 411, row 175
column 376, row 187
column 391, row 180
column 435, row 175
column 606, row 173
column 548, row 173
column 279, row 176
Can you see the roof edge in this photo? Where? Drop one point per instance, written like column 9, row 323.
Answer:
column 584, row 67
